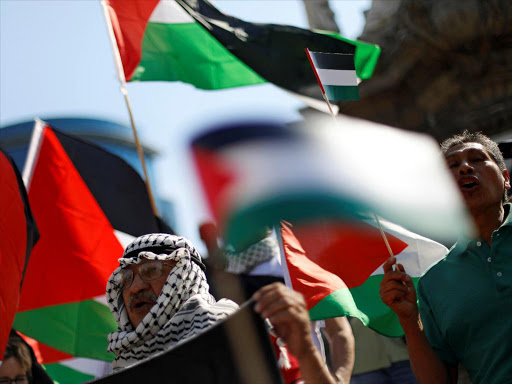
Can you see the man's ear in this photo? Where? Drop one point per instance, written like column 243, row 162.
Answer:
column 507, row 179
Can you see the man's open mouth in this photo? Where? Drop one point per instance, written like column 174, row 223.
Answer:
column 467, row 184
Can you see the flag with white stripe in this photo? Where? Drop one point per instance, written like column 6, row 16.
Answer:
column 88, row 204
column 336, row 75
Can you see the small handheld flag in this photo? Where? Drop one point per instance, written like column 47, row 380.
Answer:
column 336, row 75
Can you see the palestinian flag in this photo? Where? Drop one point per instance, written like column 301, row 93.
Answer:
column 18, row 235
column 65, row 368
column 337, row 266
column 336, row 75
column 88, row 204
column 193, row 42
column 256, row 174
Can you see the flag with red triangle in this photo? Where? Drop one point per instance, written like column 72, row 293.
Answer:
column 89, row 203
column 257, row 173
column 337, row 266
column 18, row 234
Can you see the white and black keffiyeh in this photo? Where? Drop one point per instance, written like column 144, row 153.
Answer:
column 183, row 309
column 258, row 253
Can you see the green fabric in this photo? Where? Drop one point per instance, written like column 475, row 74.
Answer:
column 186, row 52
column 466, row 306
column 79, row 329
column 374, row 351
column 61, row 374
column 361, row 302
column 365, row 57
column 249, row 220
column 337, row 92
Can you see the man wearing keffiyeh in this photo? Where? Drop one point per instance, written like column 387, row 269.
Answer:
column 159, row 297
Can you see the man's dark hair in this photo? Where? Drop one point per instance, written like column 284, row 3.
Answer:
column 477, row 137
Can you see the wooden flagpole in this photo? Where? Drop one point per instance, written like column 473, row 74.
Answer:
column 334, row 117
column 124, row 90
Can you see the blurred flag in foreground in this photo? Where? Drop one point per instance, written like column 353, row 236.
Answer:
column 336, row 74
column 87, row 203
column 337, row 266
column 18, row 234
column 193, row 42
column 256, row 174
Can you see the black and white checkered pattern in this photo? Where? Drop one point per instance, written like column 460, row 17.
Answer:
column 183, row 308
column 247, row 260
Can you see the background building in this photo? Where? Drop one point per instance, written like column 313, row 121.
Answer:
column 113, row 137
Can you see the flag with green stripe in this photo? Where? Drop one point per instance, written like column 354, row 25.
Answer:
column 64, row 368
column 193, row 42
column 88, row 204
column 335, row 74
column 337, row 266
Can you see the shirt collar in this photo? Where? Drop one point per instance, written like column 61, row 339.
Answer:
column 463, row 242
column 508, row 215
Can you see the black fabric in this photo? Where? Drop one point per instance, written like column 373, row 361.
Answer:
column 333, row 61
column 251, row 283
column 225, row 135
column 206, row 358
column 282, row 46
column 117, row 187
column 39, row 375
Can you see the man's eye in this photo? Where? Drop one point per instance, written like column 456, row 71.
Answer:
column 452, row 165
column 151, row 270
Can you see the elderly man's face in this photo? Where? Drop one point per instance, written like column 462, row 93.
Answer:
column 478, row 176
column 142, row 295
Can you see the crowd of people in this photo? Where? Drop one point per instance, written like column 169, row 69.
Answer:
column 459, row 315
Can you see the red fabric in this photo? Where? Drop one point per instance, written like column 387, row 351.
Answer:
column 291, row 375
column 216, row 176
column 129, row 21
column 78, row 249
column 45, row 354
column 339, row 255
column 13, row 247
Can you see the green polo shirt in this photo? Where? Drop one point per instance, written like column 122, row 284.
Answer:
column 466, row 306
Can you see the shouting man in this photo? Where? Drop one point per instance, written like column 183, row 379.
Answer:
column 465, row 300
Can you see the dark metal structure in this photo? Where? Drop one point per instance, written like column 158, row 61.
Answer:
column 445, row 66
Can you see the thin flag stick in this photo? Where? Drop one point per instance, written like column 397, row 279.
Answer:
column 384, row 236
column 124, row 90
column 334, row 117
column 320, row 84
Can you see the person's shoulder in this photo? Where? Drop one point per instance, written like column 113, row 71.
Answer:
column 440, row 267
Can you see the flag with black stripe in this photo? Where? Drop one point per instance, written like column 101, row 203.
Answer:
column 88, row 204
column 336, row 75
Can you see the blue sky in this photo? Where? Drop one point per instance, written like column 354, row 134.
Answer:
column 56, row 60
